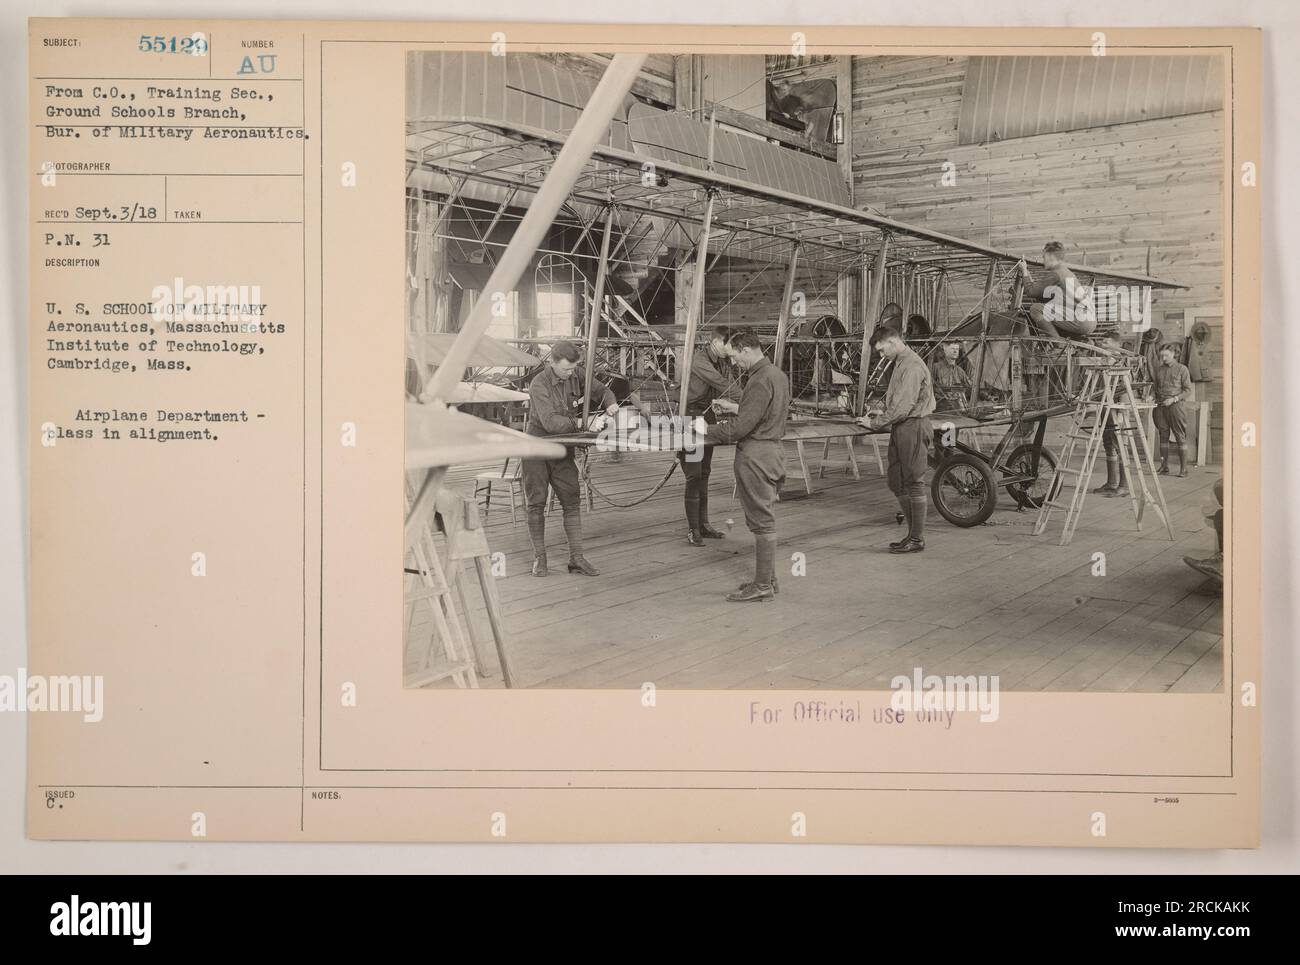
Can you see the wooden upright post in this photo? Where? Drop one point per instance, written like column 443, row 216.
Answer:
column 870, row 315
column 593, row 322
column 697, row 290
column 864, row 290
column 988, row 294
column 697, row 304
column 1017, row 293
column 844, row 104
column 984, row 330
column 783, row 319
column 909, row 294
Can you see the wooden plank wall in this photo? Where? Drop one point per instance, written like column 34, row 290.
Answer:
column 736, row 81
column 808, row 70
column 1108, row 193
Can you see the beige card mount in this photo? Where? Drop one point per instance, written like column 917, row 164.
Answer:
column 338, row 329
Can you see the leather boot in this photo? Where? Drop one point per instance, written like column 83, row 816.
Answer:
column 903, row 517
column 916, row 507
column 1211, row 566
column 916, row 515
column 693, row 520
column 707, row 531
column 573, row 531
column 765, row 560
column 537, row 537
column 1112, row 477
column 580, row 564
column 762, row 588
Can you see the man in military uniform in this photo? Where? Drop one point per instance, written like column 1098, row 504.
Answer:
column 757, row 432
column 1058, row 304
column 555, row 406
column 1115, row 484
column 711, row 378
column 1173, row 386
column 950, row 380
column 1212, row 566
column 909, row 401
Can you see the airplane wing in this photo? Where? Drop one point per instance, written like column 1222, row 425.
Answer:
column 488, row 353
column 752, row 217
column 441, row 437
column 470, row 393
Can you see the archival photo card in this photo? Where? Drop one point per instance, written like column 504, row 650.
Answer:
column 467, row 432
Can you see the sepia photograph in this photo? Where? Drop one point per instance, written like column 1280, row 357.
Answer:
column 807, row 372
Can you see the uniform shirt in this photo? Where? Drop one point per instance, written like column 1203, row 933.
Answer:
column 949, row 375
column 764, row 407
column 555, row 404
column 1061, row 288
column 910, row 394
column 1172, row 380
column 710, row 379
column 1058, row 277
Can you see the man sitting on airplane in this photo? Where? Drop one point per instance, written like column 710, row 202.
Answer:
column 1059, row 304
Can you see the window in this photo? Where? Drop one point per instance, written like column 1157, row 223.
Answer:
column 504, row 325
column 554, row 313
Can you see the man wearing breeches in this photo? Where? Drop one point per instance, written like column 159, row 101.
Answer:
column 757, row 431
column 1173, row 386
column 909, row 400
column 555, row 406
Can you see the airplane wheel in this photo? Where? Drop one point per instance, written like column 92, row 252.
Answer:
column 964, row 490
column 1030, row 495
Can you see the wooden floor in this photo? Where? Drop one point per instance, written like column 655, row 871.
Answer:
column 994, row 599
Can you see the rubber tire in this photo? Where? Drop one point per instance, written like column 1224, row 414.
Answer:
column 1047, row 459
column 990, row 490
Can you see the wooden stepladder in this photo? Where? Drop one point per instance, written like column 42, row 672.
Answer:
column 438, row 581
column 427, row 585
column 467, row 542
column 1107, row 395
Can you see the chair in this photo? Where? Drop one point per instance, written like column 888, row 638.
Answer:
column 509, row 477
